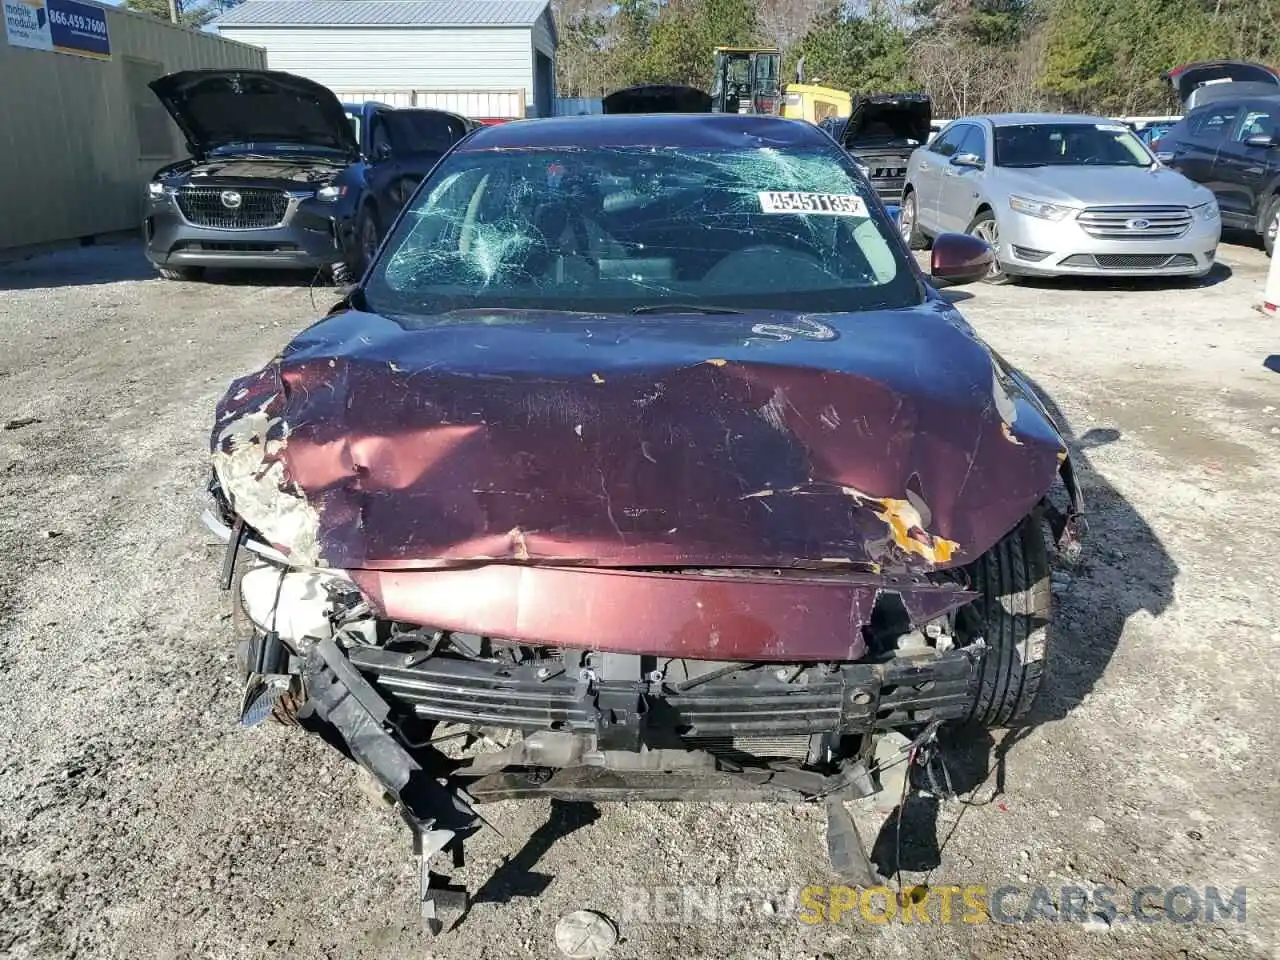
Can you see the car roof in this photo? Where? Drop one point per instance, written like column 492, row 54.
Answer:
column 709, row 130
column 1019, row 119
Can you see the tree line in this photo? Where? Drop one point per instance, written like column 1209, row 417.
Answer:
column 971, row 56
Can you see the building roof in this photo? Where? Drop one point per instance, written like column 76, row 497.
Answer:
column 383, row 13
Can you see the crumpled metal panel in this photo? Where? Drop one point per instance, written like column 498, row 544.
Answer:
column 733, row 615
column 886, row 441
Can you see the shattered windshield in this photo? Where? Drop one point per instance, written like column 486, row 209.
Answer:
column 634, row 229
column 1069, row 144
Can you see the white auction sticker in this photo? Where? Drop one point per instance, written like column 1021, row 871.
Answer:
column 826, row 204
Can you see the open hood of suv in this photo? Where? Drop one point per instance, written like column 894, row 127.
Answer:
column 1191, row 77
column 214, row 108
column 889, row 118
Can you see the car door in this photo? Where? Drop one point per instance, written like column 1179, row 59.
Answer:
column 1204, row 131
column 927, row 178
column 1242, row 172
column 381, row 171
column 962, row 178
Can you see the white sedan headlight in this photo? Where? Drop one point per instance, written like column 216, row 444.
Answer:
column 330, row 193
column 1039, row 208
column 155, row 189
column 1207, row 211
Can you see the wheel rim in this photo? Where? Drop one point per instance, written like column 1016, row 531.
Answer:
column 907, row 218
column 989, row 233
column 1273, row 228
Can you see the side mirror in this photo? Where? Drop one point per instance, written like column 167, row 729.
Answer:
column 1264, row 140
column 971, row 160
column 382, row 152
column 960, row 258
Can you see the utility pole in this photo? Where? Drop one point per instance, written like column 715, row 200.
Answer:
column 173, row 11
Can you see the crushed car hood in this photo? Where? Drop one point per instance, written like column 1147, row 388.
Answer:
column 214, row 108
column 885, row 118
column 881, row 441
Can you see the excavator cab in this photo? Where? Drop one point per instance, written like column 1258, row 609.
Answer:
column 746, row 80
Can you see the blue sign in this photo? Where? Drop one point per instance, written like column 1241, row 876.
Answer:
column 79, row 28
column 66, row 26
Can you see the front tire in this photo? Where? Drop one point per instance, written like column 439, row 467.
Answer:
column 985, row 228
column 1015, row 602
column 180, row 273
column 1271, row 226
column 368, row 236
column 909, row 223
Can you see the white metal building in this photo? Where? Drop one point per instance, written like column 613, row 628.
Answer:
column 480, row 58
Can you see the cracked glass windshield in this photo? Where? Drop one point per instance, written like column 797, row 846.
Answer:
column 644, row 230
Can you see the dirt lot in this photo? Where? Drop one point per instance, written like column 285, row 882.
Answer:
column 137, row 821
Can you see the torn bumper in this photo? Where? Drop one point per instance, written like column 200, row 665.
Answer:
column 628, row 701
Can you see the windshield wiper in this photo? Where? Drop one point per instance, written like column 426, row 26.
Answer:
column 685, row 308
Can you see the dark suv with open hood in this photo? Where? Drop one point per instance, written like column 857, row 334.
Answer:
column 1229, row 141
column 276, row 176
column 881, row 133
column 1195, row 84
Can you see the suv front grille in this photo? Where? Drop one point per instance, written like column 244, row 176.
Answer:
column 1135, row 223
column 207, row 207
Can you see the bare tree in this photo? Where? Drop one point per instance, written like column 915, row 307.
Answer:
column 783, row 22
column 964, row 77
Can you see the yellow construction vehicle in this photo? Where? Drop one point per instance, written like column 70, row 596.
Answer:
column 808, row 101
column 813, row 102
column 746, row 80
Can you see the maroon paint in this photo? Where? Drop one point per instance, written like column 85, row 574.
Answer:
column 485, row 476
column 751, row 616
column 960, row 258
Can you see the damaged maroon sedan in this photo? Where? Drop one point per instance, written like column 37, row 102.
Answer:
column 643, row 463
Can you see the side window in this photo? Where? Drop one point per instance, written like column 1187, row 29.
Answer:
column 379, row 138
column 975, row 142
column 1212, row 125
column 1254, row 121
column 948, row 141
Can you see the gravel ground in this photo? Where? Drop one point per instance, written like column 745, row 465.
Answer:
column 137, row 821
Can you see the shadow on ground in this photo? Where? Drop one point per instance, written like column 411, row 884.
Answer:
column 77, row 267
column 516, row 876
column 1217, row 274
column 121, row 261
column 1124, row 569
